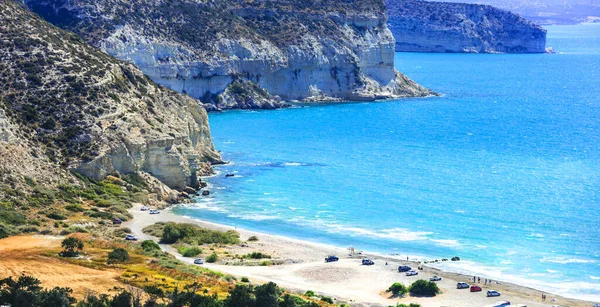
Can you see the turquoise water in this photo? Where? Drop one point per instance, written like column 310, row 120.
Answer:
column 503, row 170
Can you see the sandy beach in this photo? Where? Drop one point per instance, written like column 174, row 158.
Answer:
column 347, row 280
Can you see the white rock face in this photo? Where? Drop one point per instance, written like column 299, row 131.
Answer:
column 424, row 26
column 292, row 49
column 363, row 70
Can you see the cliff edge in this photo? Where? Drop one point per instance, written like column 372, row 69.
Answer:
column 66, row 105
column 424, row 26
column 294, row 50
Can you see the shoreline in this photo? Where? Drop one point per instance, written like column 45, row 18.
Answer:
column 303, row 269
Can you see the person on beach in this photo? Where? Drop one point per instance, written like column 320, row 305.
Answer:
column 479, row 279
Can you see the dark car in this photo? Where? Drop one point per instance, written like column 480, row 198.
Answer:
column 475, row 288
column 404, row 268
column 331, row 259
column 117, row 221
column 367, row 262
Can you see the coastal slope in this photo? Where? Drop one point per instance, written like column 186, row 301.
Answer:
column 246, row 54
column 424, row 26
column 65, row 105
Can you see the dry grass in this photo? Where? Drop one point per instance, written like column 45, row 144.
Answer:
column 38, row 256
column 28, row 255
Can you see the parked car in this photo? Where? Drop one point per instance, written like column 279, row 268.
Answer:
column 117, row 221
column 145, row 208
column 475, row 288
column 462, row 285
column 499, row 304
column 491, row 293
column 404, row 268
column 154, row 211
column 331, row 259
column 198, row 261
column 435, row 278
column 130, row 238
column 367, row 262
column 412, row 273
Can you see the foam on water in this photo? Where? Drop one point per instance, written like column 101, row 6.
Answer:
column 503, row 170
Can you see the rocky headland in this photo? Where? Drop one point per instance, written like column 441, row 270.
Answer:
column 65, row 105
column 293, row 50
column 424, row 26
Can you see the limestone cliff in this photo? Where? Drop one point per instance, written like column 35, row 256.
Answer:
column 297, row 50
column 424, row 26
column 66, row 105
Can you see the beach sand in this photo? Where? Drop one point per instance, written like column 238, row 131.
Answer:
column 346, row 280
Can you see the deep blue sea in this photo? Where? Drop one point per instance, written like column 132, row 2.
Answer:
column 503, row 170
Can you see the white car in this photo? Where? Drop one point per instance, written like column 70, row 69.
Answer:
column 491, row 293
column 462, row 285
column 144, row 208
column 435, row 278
column 499, row 304
column 198, row 261
column 411, row 273
column 130, row 238
column 154, row 211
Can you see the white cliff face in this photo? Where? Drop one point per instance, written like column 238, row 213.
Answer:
column 331, row 53
column 423, row 26
column 172, row 142
column 88, row 111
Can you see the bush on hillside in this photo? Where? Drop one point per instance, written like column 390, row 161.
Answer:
column 398, row 289
column 424, row 288
column 193, row 234
column 212, row 258
column 118, row 255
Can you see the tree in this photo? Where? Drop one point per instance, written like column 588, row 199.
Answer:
column 267, row 295
column 171, row 233
column 57, row 297
column 424, row 288
column 71, row 247
column 21, row 292
column 240, row 296
column 118, row 255
column 397, row 289
column 122, row 299
column 91, row 300
column 292, row 301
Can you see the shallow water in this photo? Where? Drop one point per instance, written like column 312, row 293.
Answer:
column 503, row 170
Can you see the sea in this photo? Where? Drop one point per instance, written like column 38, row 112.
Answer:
column 502, row 170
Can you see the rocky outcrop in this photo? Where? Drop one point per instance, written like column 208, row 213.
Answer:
column 243, row 94
column 423, row 26
column 297, row 50
column 66, row 103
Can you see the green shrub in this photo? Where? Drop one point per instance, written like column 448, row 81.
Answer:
column 423, row 288
column 327, row 299
column 398, row 289
column 118, row 255
column 10, row 216
column 212, row 258
column 189, row 251
column 257, row 255
column 149, row 245
column 253, row 238
column 106, row 203
column 190, row 233
column 245, row 279
column 309, row 293
column 56, row 216
column 28, row 229
column 74, row 208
